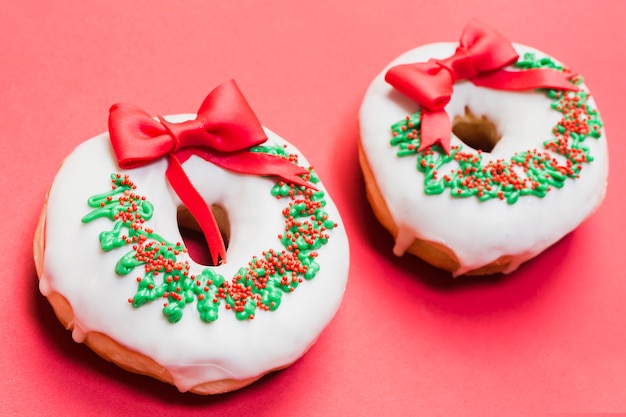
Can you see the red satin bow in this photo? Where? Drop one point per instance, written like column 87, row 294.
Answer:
column 223, row 133
column 479, row 58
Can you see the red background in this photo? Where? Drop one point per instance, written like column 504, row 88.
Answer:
column 408, row 339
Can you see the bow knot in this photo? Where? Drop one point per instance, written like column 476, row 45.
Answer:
column 223, row 133
column 187, row 134
column 480, row 58
column 460, row 65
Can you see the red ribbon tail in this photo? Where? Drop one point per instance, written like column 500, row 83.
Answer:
column 198, row 208
column 526, row 80
column 258, row 163
column 435, row 128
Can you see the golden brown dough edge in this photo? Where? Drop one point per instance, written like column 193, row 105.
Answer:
column 432, row 252
column 113, row 351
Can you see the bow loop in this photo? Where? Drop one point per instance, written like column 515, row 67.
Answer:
column 230, row 120
column 489, row 50
column 427, row 83
column 150, row 138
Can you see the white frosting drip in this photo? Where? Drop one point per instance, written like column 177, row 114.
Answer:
column 477, row 232
column 192, row 351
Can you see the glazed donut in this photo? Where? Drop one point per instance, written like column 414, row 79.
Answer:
column 113, row 263
column 481, row 179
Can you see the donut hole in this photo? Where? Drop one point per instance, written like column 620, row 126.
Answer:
column 193, row 237
column 477, row 132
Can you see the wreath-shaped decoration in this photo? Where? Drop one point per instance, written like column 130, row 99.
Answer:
column 259, row 285
column 531, row 172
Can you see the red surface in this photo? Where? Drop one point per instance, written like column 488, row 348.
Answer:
column 408, row 340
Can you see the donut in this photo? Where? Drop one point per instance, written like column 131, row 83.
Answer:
column 117, row 266
column 478, row 155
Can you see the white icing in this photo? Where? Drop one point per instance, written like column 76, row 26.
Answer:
column 477, row 232
column 193, row 351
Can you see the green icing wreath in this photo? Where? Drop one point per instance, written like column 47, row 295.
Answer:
column 499, row 179
column 259, row 285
